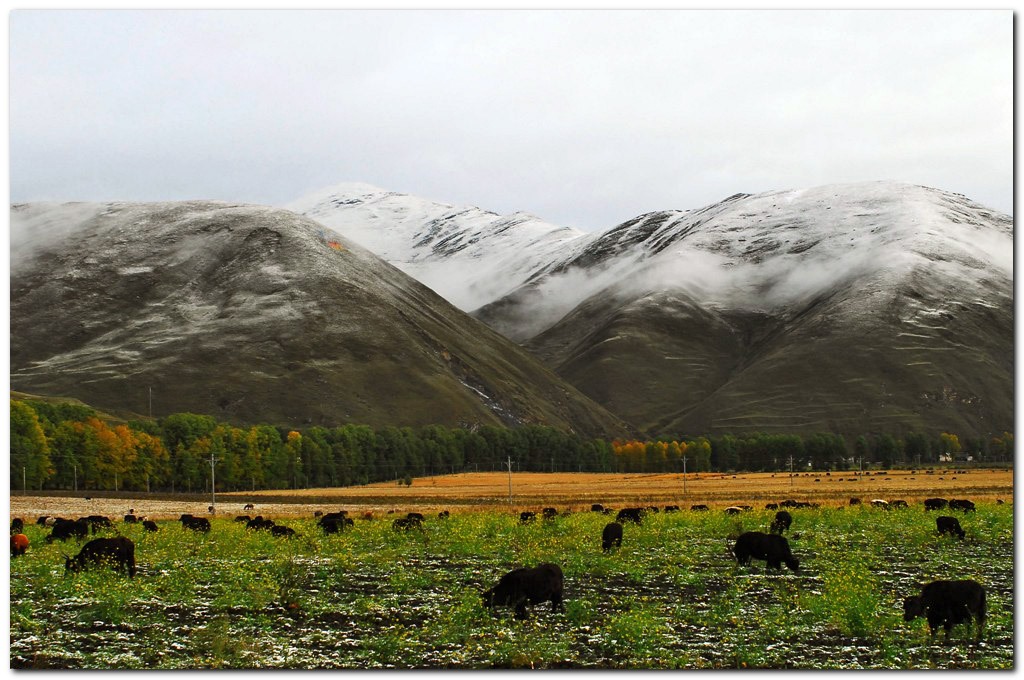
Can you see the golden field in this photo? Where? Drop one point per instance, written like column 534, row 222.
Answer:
column 577, row 491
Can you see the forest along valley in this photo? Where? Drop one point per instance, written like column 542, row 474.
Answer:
column 376, row 593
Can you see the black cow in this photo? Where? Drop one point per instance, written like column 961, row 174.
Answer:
column 194, row 523
column 935, row 503
column 259, row 524
column 949, row 525
column 17, row 526
column 149, row 525
column 97, row 522
column 278, row 530
column 783, row 520
column 406, row 524
column 946, row 604
column 698, row 508
column 130, row 519
column 963, row 505
column 521, row 586
column 117, row 552
column 526, row 517
column 611, row 536
column 63, row 529
column 635, row 515
column 549, row 513
column 769, row 547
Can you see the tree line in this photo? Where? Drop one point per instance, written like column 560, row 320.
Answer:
column 69, row 446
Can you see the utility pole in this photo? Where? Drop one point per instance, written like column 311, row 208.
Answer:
column 76, row 479
column 213, row 484
column 24, row 486
column 510, row 480
column 684, row 475
column 791, row 471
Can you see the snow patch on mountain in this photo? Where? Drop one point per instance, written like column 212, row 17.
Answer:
column 468, row 255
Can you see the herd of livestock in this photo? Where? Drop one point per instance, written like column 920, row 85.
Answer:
column 943, row 603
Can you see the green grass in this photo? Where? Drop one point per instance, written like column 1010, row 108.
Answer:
column 671, row 597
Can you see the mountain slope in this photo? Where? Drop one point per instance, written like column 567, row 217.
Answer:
column 876, row 307
column 253, row 314
column 467, row 255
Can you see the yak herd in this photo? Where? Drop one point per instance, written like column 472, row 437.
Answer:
column 943, row 603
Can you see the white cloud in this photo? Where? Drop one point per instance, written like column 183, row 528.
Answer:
column 584, row 118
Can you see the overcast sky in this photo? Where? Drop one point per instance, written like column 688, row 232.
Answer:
column 583, row 118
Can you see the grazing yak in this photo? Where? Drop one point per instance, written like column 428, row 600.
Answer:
column 194, row 523
column 248, row 506
column 406, row 524
column 671, row 508
column 597, row 507
column 946, row 604
column 526, row 517
column 963, row 505
column 149, row 525
column 257, row 523
column 611, row 536
column 769, row 547
column 949, row 525
column 854, row 500
column 98, row 522
column 783, row 520
column 243, row 518
column 63, row 529
column 898, row 503
column 635, row 515
column 549, row 513
column 131, row 519
column 444, row 514
column 518, row 587
column 935, row 503
column 699, row 508
column 117, row 552
column 19, row 544
column 771, row 506
column 286, row 532
column 17, row 525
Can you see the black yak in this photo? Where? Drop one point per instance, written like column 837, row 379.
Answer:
column 612, row 535
column 964, row 505
column 949, row 525
column 194, row 523
column 597, row 507
column 117, row 552
column 278, row 530
column 635, row 515
column 948, row 603
column 769, row 547
column 549, row 513
column 698, row 508
column 63, row 529
column 526, row 517
column 17, row 525
column 406, row 524
column 521, row 586
column 783, row 520
column 149, row 525
column 935, row 503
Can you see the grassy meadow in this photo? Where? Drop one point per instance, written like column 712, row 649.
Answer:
column 671, row 597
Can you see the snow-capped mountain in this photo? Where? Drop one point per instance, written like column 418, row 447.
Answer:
column 468, row 255
column 856, row 308
column 254, row 314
